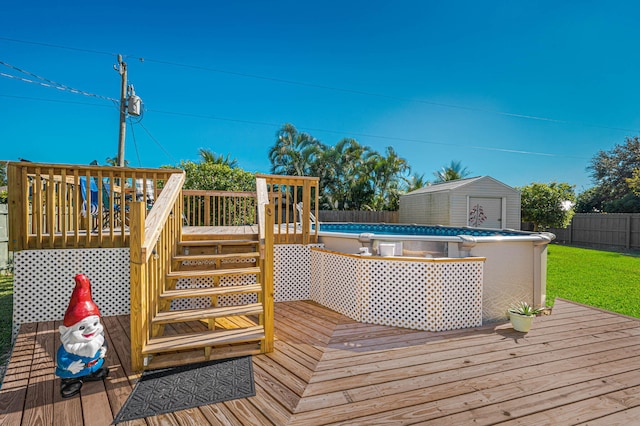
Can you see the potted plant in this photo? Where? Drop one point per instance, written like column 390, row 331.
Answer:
column 522, row 315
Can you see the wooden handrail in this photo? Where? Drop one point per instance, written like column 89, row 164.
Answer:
column 161, row 210
column 263, row 200
column 157, row 235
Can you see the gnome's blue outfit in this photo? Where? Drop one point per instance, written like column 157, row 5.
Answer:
column 64, row 359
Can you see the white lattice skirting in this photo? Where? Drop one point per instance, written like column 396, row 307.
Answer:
column 428, row 294
column 44, row 281
column 433, row 295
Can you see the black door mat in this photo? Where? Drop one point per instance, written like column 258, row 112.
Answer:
column 178, row 388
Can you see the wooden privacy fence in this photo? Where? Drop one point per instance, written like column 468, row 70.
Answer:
column 358, row 216
column 69, row 206
column 621, row 230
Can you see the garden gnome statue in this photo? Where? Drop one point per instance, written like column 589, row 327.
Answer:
column 80, row 358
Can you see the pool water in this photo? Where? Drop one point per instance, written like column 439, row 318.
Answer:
column 397, row 229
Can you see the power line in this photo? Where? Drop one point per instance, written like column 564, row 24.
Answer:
column 58, row 46
column 338, row 132
column 49, row 83
column 337, row 89
column 158, row 143
column 135, row 143
column 368, row 135
column 30, row 98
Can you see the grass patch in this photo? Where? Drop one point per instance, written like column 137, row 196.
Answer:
column 607, row 280
column 6, row 315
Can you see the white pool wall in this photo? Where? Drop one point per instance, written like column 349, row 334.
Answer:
column 515, row 268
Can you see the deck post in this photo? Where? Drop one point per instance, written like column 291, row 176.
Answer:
column 268, row 280
column 18, row 206
column 138, row 279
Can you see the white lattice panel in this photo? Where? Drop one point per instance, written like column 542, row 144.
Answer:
column 205, row 302
column 402, row 294
column 44, row 281
column 434, row 296
column 291, row 275
column 462, row 295
column 334, row 283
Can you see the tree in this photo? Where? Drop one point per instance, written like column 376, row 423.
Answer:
column 611, row 169
column 113, row 161
column 216, row 177
column 454, row 171
column 616, row 178
column 389, row 175
column 634, row 182
column 208, row 156
column 3, row 174
column 416, row 181
column 590, row 201
column 351, row 176
column 294, row 152
column 346, row 182
column 3, row 182
column 547, row 205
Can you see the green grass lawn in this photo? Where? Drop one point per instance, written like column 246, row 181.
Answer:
column 603, row 279
column 6, row 314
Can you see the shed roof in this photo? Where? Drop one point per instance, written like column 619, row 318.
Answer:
column 455, row 184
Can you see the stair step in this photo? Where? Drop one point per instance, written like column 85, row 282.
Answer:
column 196, row 243
column 211, row 291
column 203, row 339
column 212, row 312
column 254, row 270
column 197, row 355
column 190, row 257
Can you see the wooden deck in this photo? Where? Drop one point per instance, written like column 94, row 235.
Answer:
column 208, row 232
column 579, row 365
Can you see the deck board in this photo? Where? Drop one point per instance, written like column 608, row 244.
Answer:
column 329, row 369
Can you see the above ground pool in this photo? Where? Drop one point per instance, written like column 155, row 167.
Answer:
column 516, row 261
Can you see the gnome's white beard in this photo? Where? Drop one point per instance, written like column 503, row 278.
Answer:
column 86, row 349
column 84, row 338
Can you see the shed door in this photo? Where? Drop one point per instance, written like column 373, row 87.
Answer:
column 485, row 212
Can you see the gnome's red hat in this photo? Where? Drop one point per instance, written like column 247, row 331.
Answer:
column 81, row 305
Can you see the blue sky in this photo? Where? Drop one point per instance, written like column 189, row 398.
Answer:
column 521, row 91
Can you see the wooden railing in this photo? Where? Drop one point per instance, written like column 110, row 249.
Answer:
column 265, row 236
column 71, row 206
column 219, row 208
column 295, row 205
column 153, row 244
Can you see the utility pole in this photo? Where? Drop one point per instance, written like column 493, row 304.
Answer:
column 122, row 69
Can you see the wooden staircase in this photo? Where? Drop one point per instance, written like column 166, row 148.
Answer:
column 217, row 282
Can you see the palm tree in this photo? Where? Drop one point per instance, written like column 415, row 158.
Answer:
column 345, row 178
column 389, row 174
column 113, row 161
column 208, row 156
column 454, row 171
column 416, row 181
column 293, row 153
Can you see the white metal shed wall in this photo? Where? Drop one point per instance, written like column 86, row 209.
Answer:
column 425, row 209
column 449, row 206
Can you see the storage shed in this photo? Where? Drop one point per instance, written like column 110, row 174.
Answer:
column 482, row 202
